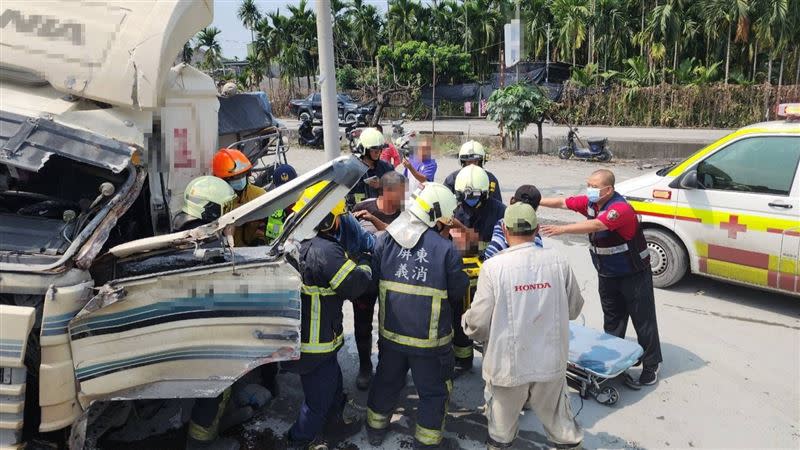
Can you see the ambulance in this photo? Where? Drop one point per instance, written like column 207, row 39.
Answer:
column 730, row 212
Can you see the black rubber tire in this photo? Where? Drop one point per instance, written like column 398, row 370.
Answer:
column 349, row 118
column 606, row 156
column 668, row 258
column 564, row 153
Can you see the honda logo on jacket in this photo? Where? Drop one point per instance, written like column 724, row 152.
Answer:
column 531, row 287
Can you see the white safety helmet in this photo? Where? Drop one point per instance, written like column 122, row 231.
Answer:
column 472, row 150
column 370, row 138
column 472, row 185
column 433, row 202
column 208, row 198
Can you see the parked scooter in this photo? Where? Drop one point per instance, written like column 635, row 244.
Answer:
column 597, row 151
column 401, row 139
column 308, row 135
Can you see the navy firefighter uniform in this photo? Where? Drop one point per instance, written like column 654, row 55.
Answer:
column 480, row 212
column 420, row 282
column 328, row 278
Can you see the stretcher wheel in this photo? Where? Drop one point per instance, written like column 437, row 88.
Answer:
column 608, row 396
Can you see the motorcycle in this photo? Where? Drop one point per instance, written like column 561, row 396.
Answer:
column 308, row 135
column 597, row 151
column 401, row 139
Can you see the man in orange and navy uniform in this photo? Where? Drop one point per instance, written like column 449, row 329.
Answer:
column 620, row 255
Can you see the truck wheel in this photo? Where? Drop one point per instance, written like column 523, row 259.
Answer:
column 303, row 116
column 668, row 259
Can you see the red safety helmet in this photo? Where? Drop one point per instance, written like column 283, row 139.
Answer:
column 229, row 163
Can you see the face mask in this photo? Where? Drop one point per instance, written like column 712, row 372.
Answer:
column 238, row 185
column 593, row 194
column 472, row 202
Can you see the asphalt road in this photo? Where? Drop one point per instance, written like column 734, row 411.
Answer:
column 729, row 380
column 486, row 127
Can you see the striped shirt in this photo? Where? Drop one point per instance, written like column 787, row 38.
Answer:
column 499, row 243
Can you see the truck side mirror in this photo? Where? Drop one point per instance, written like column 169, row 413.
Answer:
column 689, row 181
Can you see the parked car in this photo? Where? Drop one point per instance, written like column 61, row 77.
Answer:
column 349, row 110
column 730, row 211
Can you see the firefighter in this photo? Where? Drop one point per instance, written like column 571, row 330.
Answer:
column 283, row 174
column 233, row 166
column 473, row 153
column 413, row 264
column 478, row 212
column 328, row 278
column 205, row 199
column 370, row 145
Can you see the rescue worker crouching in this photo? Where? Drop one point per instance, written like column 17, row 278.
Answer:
column 413, row 264
column 478, row 212
column 328, row 278
column 205, row 199
column 233, row 166
column 474, row 153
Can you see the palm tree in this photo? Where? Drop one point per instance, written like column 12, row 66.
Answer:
column 206, row 39
column 571, row 17
column 401, row 20
column 249, row 14
column 365, row 26
column 304, row 27
column 728, row 13
column 264, row 47
column 187, row 52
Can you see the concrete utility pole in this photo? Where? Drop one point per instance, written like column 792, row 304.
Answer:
column 327, row 79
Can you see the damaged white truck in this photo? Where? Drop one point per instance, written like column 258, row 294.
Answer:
column 99, row 135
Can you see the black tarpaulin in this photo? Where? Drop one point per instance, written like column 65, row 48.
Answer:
column 242, row 113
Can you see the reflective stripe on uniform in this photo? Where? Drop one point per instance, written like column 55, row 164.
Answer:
column 322, row 347
column 622, row 248
column 426, row 436
column 342, row 273
column 436, row 297
column 314, row 345
column 644, row 253
column 462, row 352
column 377, row 421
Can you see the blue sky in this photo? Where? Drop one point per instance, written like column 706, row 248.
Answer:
column 235, row 37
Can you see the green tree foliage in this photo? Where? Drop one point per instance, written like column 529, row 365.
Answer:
column 412, row 62
column 208, row 40
column 519, row 105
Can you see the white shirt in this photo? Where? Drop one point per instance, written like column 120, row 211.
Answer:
column 521, row 310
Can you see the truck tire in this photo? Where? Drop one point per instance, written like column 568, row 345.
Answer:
column 668, row 259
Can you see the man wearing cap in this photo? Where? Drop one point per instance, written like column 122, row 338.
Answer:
column 524, row 364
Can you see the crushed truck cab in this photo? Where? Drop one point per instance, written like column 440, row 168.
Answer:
column 731, row 211
column 99, row 300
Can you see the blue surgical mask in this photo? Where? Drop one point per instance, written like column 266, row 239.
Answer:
column 593, row 194
column 238, row 185
column 472, row 202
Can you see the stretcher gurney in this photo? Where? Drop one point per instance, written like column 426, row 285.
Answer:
column 596, row 357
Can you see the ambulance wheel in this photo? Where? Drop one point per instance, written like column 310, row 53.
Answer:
column 608, row 396
column 668, row 259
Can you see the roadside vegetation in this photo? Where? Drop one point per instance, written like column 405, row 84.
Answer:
column 635, row 62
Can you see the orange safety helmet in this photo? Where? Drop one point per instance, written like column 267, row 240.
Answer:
column 228, row 163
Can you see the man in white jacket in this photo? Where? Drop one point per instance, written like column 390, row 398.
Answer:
column 522, row 306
